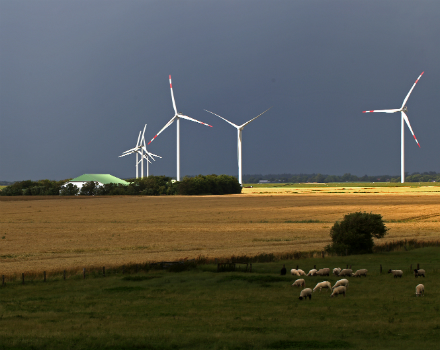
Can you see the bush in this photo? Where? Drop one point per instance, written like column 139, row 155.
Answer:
column 354, row 234
column 90, row 188
column 69, row 190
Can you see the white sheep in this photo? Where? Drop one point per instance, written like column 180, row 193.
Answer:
column 305, row 293
column 336, row 271
column 299, row 283
column 295, row 272
column 360, row 273
column 419, row 272
column 343, row 282
column 346, row 272
column 338, row 290
column 323, row 272
column 312, row 272
column 301, row 272
column 320, row 285
column 396, row 273
column 420, row 290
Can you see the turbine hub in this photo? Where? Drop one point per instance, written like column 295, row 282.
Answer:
column 405, row 109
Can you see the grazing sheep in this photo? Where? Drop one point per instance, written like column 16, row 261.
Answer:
column 396, row 273
column 343, row 282
column 305, row 293
column 338, row 290
column 294, row 272
column 420, row 290
column 312, row 272
column 299, row 283
column 323, row 272
column 336, row 271
column 301, row 272
column 320, row 285
column 419, row 272
column 360, row 273
column 346, row 272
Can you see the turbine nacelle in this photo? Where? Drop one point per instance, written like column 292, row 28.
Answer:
column 404, row 109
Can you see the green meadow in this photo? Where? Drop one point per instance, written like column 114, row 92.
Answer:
column 203, row 309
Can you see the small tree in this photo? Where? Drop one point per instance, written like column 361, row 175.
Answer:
column 69, row 190
column 90, row 188
column 355, row 233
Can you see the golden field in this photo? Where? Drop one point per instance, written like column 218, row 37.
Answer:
column 55, row 233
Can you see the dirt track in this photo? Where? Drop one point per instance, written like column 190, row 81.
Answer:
column 57, row 233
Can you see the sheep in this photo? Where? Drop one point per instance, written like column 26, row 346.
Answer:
column 323, row 272
column 346, row 272
column 336, row 271
column 305, row 293
column 419, row 272
column 299, row 283
column 343, row 282
column 396, row 273
column 338, row 290
column 301, row 272
column 320, row 285
column 294, row 272
column 420, row 290
column 312, row 272
column 360, row 273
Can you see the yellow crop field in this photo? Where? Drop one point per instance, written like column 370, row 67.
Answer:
column 55, row 233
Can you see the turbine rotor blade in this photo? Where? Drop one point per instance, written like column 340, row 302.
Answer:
column 193, row 120
column 137, row 143
column 234, row 125
column 172, row 97
column 166, row 126
column 243, row 125
column 409, row 93
column 382, row 111
column 409, row 126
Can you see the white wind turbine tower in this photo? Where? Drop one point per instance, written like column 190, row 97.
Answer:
column 139, row 150
column 177, row 117
column 404, row 118
column 239, row 141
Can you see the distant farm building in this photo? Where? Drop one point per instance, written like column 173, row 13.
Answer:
column 101, row 179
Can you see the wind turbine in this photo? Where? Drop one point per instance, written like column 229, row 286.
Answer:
column 404, row 118
column 239, row 141
column 139, row 150
column 177, row 117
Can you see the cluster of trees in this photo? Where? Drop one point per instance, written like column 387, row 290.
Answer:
column 33, row 188
column 150, row 186
column 304, row 178
column 355, row 233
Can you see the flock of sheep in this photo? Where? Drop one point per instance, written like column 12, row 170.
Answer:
column 340, row 286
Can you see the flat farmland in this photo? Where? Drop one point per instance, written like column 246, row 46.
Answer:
column 55, row 233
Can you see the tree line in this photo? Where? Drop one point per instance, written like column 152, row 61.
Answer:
column 149, row 186
column 322, row 178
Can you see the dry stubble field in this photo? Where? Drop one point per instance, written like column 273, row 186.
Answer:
column 55, row 233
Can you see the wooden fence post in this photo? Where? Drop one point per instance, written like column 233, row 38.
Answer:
column 3, row 280
column 314, row 266
column 418, row 266
column 250, row 269
column 84, row 273
column 22, row 277
column 297, row 267
column 64, row 274
column 123, row 269
column 44, row 274
column 103, row 271
column 380, row 268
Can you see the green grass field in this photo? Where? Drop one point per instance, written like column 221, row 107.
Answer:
column 344, row 184
column 203, row 309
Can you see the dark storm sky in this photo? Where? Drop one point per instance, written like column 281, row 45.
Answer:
column 79, row 79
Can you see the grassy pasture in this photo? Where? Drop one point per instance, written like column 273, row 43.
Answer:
column 202, row 309
column 52, row 233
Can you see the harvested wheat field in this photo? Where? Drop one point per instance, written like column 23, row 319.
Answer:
column 56, row 233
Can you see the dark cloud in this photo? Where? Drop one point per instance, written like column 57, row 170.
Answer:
column 79, row 79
